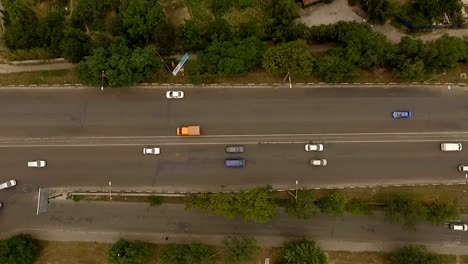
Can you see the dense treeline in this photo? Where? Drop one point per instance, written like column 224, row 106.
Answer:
column 102, row 36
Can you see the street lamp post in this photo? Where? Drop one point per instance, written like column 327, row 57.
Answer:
column 295, row 196
column 102, row 80
column 297, row 182
column 110, row 191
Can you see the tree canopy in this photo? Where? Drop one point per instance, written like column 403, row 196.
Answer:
column 121, row 65
column 438, row 213
column 19, row 249
column 232, row 58
column 143, row 18
column 334, row 203
column 403, row 209
column 301, row 251
column 294, row 57
column 239, row 249
column 129, row 252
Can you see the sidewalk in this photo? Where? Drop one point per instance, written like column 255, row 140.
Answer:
column 7, row 68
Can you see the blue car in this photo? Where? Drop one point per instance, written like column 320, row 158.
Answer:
column 401, row 114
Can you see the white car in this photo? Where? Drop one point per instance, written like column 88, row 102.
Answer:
column 318, row 162
column 7, row 184
column 313, row 147
column 174, row 94
column 458, row 226
column 154, row 151
column 37, row 164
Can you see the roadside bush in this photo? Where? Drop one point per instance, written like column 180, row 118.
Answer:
column 335, row 69
column 126, row 252
column 19, row 249
column 155, row 200
column 415, row 254
column 194, row 253
column 438, row 213
column 404, row 209
column 239, row 249
column 357, row 207
column 256, row 205
column 75, row 45
column 333, row 203
column 305, row 206
column 301, row 251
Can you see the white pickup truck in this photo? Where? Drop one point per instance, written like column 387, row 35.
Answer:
column 37, row 164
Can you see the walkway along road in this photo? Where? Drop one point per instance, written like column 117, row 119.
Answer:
column 104, row 221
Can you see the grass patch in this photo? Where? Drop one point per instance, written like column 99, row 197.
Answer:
column 200, row 11
column 345, row 257
column 55, row 252
column 152, row 199
column 39, row 77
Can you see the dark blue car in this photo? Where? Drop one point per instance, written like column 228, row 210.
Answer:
column 401, row 114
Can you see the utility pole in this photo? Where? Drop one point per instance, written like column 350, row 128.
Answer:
column 295, row 196
column 102, row 80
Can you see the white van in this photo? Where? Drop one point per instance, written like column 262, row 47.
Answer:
column 458, row 226
column 462, row 168
column 451, row 146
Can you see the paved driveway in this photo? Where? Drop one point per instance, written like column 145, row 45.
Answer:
column 320, row 14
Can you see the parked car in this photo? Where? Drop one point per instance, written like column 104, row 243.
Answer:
column 37, row 164
column 234, row 149
column 458, row 226
column 313, row 147
column 174, row 94
column 318, row 162
column 401, row 114
column 7, row 184
column 153, row 151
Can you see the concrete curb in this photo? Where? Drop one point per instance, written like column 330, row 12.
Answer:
column 170, row 191
column 249, row 85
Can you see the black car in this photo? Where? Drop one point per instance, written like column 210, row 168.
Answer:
column 234, row 149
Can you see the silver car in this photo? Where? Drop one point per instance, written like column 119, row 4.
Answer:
column 153, row 151
column 234, row 149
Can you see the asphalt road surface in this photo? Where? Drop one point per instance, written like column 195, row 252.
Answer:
column 198, row 167
column 109, row 221
column 146, row 112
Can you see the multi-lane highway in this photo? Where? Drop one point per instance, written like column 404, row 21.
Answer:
column 90, row 137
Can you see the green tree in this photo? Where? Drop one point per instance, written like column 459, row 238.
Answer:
column 75, row 45
column 85, row 14
column 121, row 65
column 335, row 69
column 407, row 59
column 357, row 207
column 301, row 251
column 155, row 200
column 19, row 249
column 232, row 58
column 51, row 33
column 142, row 18
column 21, row 26
column 448, row 51
column 438, row 213
column 415, row 254
column 239, row 249
column 194, row 253
column 363, row 47
column 129, row 252
column 378, row 10
column 281, row 16
column 256, row 205
column 294, row 57
column 333, row 203
column 305, row 206
column 403, row 209
column 189, row 37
